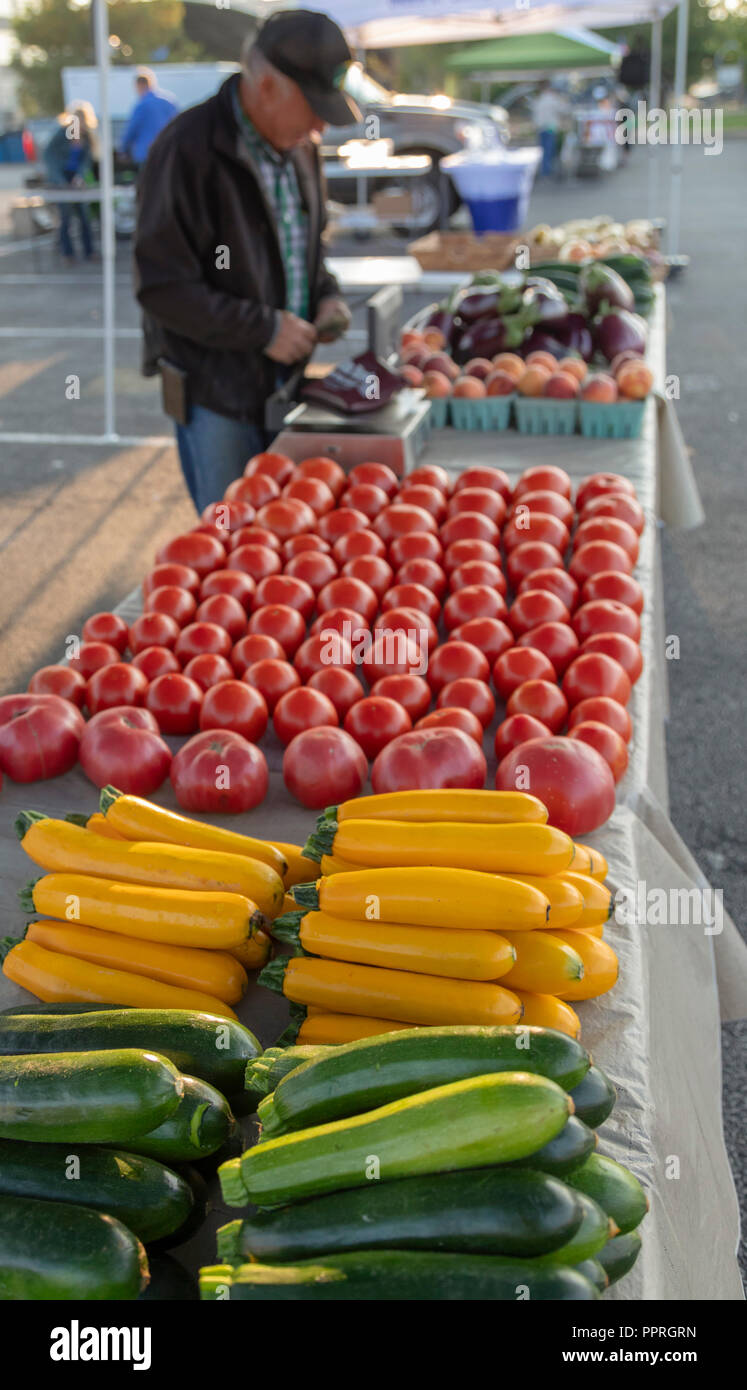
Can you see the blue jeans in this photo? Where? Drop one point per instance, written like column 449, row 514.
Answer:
column 213, row 450
column 549, row 143
column 67, row 212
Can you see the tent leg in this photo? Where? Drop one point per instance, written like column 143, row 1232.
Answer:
column 677, row 146
column 654, row 101
column 101, row 36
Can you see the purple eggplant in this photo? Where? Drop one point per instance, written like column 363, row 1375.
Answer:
column 601, row 286
column 618, row 331
column 442, row 315
column 482, row 302
column 576, row 335
column 489, row 336
column 544, row 300
column 540, row 340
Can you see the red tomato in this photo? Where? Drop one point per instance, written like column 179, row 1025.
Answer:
column 478, row 572
column 313, row 492
column 542, row 699
column 358, row 543
column 228, row 516
column 412, row 692
column 469, row 526
column 557, row 641
column 208, row 528
column 490, row 635
column 596, row 674
column 155, row 661
column 520, row 664
column 118, row 684
column 473, row 601
column 153, row 630
column 326, row 470
column 543, row 478
column 344, row 620
column 233, row 582
column 322, row 767
column 429, row 758
column 479, row 499
column 555, row 581
column 393, row 654
column 256, row 490
column 282, row 622
column 323, row 649
column 425, row 572
column 465, row 551
column 606, row 615
column 224, row 610
column 622, row 648
column 610, row 584
column 454, row 660
column 607, row 528
column 533, row 607
column 620, row 505
column 286, row 517
column 572, row 779
column 399, row 520
column 39, row 736
column 219, row 771
column 256, row 646
column 59, row 680
column 272, row 678
column 312, row 568
column 366, row 498
column 200, row 552
column 601, row 709
column 178, row 604
column 431, row 499
column 181, row 575
column 301, row 709
column 348, row 592
column 432, row 475
column 298, row 545
column 334, row 525
column 412, row 596
column 341, row 687
column 419, row 626
column 123, row 747
column 284, row 589
column 256, row 535
column 596, row 556
column 377, row 473
column 599, row 485
column 606, row 741
column 453, row 717
column 534, row 526
column 374, row 721
column 207, row 670
column 372, row 569
column 468, row 693
column 259, row 561
column 175, row 700
column 106, row 627
column 531, row 556
column 481, row 475
column 93, row 656
column 235, row 705
column 202, row 637
column 518, row 728
column 271, row 465
column 546, row 502
column 416, row 545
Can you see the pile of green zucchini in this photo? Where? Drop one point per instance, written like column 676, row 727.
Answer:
column 635, row 270
column 428, row 1164
column 107, row 1120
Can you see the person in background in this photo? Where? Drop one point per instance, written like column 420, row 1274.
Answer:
column 547, row 112
column 229, row 267
column 152, row 111
column 67, row 158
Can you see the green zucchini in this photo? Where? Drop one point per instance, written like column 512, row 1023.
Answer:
column 40, row 1007
column 588, row 1239
column 363, row 1075
column 86, row 1097
column 265, row 1072
column 568, row 1150
column 492, row 1211
column 55, row 1250
column 594, row 1272
column 397, row 1276
column 169, row 1281
column 199, row 1192
column 467, row 1124
column 619, row 1255
column 594, row 1097
column 615, row 1188
column 149, row 1199
column 201, row 1124
column 206, row 1045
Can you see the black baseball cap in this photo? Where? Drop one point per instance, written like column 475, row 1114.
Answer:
column 312, row 50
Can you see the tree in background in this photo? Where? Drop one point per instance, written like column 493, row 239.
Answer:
column 713, row 24
column 53, row 34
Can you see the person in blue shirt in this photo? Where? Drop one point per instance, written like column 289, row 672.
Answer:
column 68, row 157
column 152, row 111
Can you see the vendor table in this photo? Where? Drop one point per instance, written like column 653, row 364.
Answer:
column 657, row 1032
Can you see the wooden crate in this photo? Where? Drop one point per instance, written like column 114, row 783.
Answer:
column 465, row 251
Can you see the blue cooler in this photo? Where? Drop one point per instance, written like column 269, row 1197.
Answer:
column 495, row 185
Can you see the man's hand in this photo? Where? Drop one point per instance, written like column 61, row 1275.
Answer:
column 294, row 339
column 332, row 319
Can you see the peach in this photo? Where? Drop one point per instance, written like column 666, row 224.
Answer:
column 436, row 384
column 562, row 385
column 441, row 362
column 469, row 386
column 411, row 375
column 599, row 387
column 533, row 380
column 542, row 359
column 480, row 367
column 634, row 380
column 509, row 362
column 627, row 355
column 409, row 338
column 575, row 365
column 501, row 383
column 415, row 355
column 434, row 338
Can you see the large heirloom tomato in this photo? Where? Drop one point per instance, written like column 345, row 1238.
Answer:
column 219, row 771
column 324, row 766
column 123, row 747
column 39, row 736
column 570, row 777
column 441, row 757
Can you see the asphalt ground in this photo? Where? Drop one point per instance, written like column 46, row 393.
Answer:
column 79, row 524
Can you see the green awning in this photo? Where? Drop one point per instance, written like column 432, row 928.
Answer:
column 527, row 53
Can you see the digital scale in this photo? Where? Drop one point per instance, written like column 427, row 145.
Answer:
column 396, row 434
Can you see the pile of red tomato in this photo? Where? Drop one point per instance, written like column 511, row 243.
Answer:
column 304, row 582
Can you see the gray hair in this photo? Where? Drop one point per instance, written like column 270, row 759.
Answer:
column 255, row 66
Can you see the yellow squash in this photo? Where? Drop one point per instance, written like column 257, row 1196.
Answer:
column 547, row 1011
column 487, row 848
column 599, row 868
column 330, row 1029
column 299, row 869
column 598, row 901
column 566, row 902
column 138, row 819
column 100, row 825
column 457, row 955
column 450, row 804
column 254, row 952
column 544, row 963
column 333, row 864
column 437, row 897
column 600, row 966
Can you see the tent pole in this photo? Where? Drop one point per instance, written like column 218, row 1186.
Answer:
column 101, row 36
column 654, row 101
column 677, row 146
